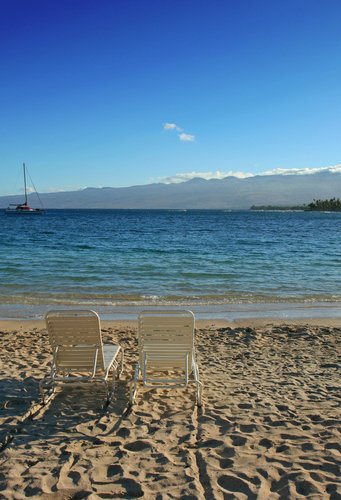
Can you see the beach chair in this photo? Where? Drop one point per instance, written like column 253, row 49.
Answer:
column 166, row 351
column 79, row 354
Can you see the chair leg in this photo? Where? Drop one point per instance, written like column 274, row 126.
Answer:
column 117, row 370
column 120, row 370
column 108, row 391
column 112, row 388
column 45, row 383
column 199, row 394
column 133, row 385
column 199, row 385
column 41, row 390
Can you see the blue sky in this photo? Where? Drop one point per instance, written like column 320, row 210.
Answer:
column 87, row 88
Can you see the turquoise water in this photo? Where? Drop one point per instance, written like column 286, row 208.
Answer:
column 128, row 259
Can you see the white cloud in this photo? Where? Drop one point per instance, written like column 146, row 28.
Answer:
column 183, row 136
column 172, row 126
column 186, row 176
column 186, row 137
column 29, row 190
column 182, row 177
column 64, row 189
column 301, row 171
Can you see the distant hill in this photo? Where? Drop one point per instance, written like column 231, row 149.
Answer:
column 227, row 193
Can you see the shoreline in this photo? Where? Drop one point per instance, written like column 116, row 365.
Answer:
column 228, row 312
column 12, row 325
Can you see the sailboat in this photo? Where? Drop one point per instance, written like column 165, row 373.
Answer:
column 23, row 208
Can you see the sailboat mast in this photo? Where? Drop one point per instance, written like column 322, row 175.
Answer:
column 25, row 183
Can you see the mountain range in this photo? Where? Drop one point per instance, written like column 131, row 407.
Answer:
column 228, row 193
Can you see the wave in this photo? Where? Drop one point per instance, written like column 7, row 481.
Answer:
column 170, row 300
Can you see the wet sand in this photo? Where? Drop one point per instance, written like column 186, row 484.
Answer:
column 269, row 426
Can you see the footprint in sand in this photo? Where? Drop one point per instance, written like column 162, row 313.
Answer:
column 245, row 406
column 75, row 476
column 123, row 432
column 306, row 488
column 102, row 427
column 236, row 485
column 211, row 443
column 160, row 458
column 226, row 463
column 307, row 446
column 64, row 455
column 114, row 470
column 248, row 428
column 332, row 490
column 132, row 488
column 238, row 440
column 282, row 448
column 315, row 418
column 333, row 446
column 31, row 491
column 226, row 452
column 138, row 446
column 266, row 443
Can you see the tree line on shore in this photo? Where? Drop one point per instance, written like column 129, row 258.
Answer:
column 332, row 205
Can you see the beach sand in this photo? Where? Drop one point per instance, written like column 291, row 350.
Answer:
column 269, row 427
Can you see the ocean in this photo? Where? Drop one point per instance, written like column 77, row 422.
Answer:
column 220, row 264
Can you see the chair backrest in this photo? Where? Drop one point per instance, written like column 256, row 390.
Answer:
column 166, row 338
column 75, row 337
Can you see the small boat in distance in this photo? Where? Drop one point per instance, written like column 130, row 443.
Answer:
column 23, row 208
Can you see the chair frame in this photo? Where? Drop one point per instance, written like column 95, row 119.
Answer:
column 156, row 330
column 100, row 358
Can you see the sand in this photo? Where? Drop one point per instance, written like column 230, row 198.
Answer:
column 269, row 427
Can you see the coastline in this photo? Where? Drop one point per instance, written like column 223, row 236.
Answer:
column 229, row 312
column 12, row 325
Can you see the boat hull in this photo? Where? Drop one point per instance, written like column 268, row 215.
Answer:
column 10, row 211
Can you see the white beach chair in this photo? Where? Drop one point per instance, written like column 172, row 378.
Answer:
column 79, row 354
column 166, row 351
